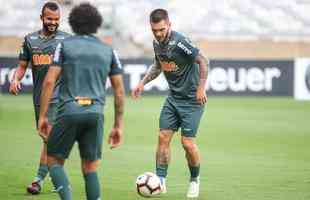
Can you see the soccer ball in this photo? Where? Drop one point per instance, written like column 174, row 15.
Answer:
column 148, row 184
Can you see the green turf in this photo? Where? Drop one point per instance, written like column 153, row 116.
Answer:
column 252, row 149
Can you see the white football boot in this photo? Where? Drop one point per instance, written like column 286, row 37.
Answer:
column 193, row 189
column 163, row 185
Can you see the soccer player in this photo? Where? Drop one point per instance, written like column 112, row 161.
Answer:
column 84, row 63
column 185, row 69
column 37, row 50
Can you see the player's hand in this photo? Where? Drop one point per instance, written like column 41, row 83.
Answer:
column 136, row 92
column 115, row 137
column 201, row 95
column 15, row 87
column 44, row 128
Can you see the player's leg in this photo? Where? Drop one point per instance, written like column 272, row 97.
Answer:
column 192, row 156
column 37, row 183
column 163, row 155
column 59, row 145
column 90, row 145
column 190, row 122
column 59, row 177
column 168, row 124
column 193, row 160
column 92, row 184
column 43, row 160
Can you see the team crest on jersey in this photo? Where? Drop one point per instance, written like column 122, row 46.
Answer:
column 169, row 66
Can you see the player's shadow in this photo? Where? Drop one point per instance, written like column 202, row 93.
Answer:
column 166, row 197
column 25, row 195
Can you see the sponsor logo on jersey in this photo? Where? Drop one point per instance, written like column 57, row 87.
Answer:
column 168, row 66
column 184, row 48
column 307, row 78
column 42, row 59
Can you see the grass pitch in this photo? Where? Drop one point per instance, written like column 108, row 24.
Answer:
column 251, row 149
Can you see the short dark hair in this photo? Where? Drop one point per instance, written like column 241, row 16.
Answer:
column 85, row 19
column 50, row 5
column 159, row 14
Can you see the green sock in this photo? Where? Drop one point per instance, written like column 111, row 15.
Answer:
column 92, row 186
column 42, row 172
column 161, row 170
column 61, row 182
column 194, row 170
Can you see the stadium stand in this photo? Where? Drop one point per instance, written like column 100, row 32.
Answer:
column 230, row 21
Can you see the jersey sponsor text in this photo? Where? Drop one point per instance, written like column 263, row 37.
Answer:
column 42, row 59
column 184, row 48
column 168, row 66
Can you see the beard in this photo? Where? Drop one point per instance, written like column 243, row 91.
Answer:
column 165, row 38
column 50, row 29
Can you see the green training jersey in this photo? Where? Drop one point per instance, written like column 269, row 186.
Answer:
column 38, row 50
column 85, row 63
column 176, row 57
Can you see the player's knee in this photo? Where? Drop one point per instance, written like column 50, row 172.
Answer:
column 89, row 166
column 51, row 160
column 188, row 144
column 161, row 139
column 164, row 138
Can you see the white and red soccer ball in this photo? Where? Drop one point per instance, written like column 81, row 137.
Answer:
column 148, row 184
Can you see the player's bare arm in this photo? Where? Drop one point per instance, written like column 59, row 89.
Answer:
column 203, row 63
column 116, row 133
column 47, row 92
column 152, row 73
column 15, row 85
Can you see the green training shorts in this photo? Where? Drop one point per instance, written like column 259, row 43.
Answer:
column 177, row 114
column 86, row 129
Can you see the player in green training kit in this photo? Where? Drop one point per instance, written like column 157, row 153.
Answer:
column 84, row 63
column 186, row 72
column 37, row 50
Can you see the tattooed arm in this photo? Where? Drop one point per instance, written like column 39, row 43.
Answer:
column 152, row 73
column 203, row 75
